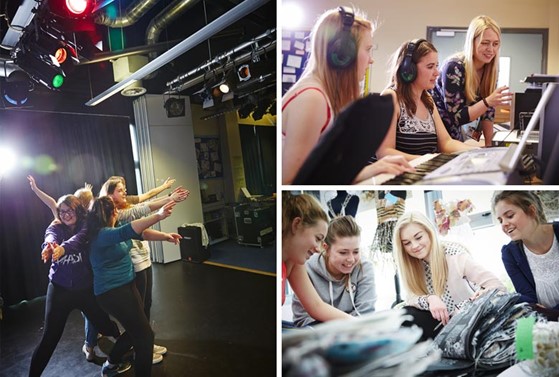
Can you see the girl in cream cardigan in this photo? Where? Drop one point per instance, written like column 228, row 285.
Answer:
column 438, row 275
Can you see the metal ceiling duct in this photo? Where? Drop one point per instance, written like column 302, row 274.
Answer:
column 233, row 15
column 133, row 13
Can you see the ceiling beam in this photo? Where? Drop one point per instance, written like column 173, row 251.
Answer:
column 235, row 14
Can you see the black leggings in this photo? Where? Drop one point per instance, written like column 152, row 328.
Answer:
column 125, row 304
column 59, row 303
column 424, row 319
column 144, row 283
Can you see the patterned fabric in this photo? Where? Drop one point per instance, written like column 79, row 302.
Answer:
column 447, row 298
column 544, row 268
column 414, row 135
column 450, row 98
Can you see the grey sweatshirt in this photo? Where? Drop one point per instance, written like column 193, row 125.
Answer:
column 336, row 292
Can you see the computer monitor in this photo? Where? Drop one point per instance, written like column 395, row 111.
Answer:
column 546, row 116
column 523, row 106
column 549, row 135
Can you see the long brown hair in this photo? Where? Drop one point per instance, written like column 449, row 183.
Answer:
column 100, row 215
column 527, row 201
column 341, row 85
column 404, row 90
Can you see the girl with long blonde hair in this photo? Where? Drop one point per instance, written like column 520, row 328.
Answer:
column 466, row 89
column 438, row 276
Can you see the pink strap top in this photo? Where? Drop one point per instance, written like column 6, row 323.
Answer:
column 328, row 111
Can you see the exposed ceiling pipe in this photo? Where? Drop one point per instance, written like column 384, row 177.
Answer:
column 139, row 50
column 132, row 14
column 199, row 79
column 165, row 17
column 161, row 21
column 235, row 14
column 207, row 66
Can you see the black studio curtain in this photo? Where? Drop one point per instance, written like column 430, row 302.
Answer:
column 258, row 144
column 62, row 152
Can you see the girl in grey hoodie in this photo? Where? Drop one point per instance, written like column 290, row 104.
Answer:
column 339, row 275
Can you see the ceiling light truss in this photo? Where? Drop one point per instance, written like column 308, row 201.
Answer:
column 225, row 61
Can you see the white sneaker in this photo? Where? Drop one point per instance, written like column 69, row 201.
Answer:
column 159, row 349
column 89, row 352
column 157, row 358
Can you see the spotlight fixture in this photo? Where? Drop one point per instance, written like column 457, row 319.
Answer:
column 16, row 88
column 175, row 107
column 71, row 8
column 243, row 73
column 40, row 69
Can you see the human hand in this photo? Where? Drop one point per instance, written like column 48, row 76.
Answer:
column 438, row 309
column 32, row 182
column 173, row 238
column 166, row 210
column 88, row 186
column 46, row 253
column 179, row 194
column 501, row 96
column 57, row 252
column 168, row 183
column 478, row 293
column 394, row 164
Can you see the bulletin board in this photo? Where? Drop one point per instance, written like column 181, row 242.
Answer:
column 295, row 46
column 208, row 155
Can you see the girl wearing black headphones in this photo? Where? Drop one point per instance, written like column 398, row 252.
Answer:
column 340, row 52
column 416, row 128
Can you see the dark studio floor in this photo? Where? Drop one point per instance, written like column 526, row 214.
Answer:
column 214, row 321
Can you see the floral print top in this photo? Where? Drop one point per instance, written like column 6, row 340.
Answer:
column 450, row 98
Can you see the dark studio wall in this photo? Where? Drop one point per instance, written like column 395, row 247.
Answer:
column 62, row 151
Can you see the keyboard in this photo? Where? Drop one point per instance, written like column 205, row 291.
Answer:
column 475, row 161
column 421, row 170
column 533, row 136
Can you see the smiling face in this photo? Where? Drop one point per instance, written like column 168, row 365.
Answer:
column 307, row 240
column 515, row 223
column 416, row 241
column 67, row 215
column 364, row 54
column 427, row 71
column 119, row 195
column 343, row 256
column 486, row 47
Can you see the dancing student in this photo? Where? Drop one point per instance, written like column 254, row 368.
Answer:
column 532, row 257
column 140, row 252
column 113, row 279
column 416, row 128
column 70, row 281
column 304, row 227
column 466, row 89
column 338, row 274
column 135, row 199
column 438, row 276
column 329, row 83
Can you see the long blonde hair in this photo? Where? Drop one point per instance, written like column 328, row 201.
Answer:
column 412, row 268
column 341, row 85
column 475, row 88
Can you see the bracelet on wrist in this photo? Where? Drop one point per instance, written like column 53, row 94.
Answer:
column 485, row 102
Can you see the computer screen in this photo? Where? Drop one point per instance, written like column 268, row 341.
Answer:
column 522, row 108
column 549, row 130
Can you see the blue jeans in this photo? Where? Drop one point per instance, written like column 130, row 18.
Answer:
column 90, row 333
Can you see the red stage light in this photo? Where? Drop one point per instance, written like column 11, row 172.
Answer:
column 77, row 7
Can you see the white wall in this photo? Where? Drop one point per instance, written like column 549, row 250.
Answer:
column 172, row 154
column 401, row 20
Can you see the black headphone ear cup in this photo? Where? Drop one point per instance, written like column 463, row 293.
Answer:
column 342, row 51
column 408, row 70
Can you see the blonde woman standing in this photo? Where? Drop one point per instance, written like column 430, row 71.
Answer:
column 465, row 90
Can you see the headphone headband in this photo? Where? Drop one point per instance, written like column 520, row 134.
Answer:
column 347, row 16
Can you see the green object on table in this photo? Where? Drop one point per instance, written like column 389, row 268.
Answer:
column 524, row 348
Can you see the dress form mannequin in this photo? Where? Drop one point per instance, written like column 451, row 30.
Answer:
column 343, row 204
column 390, row 206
